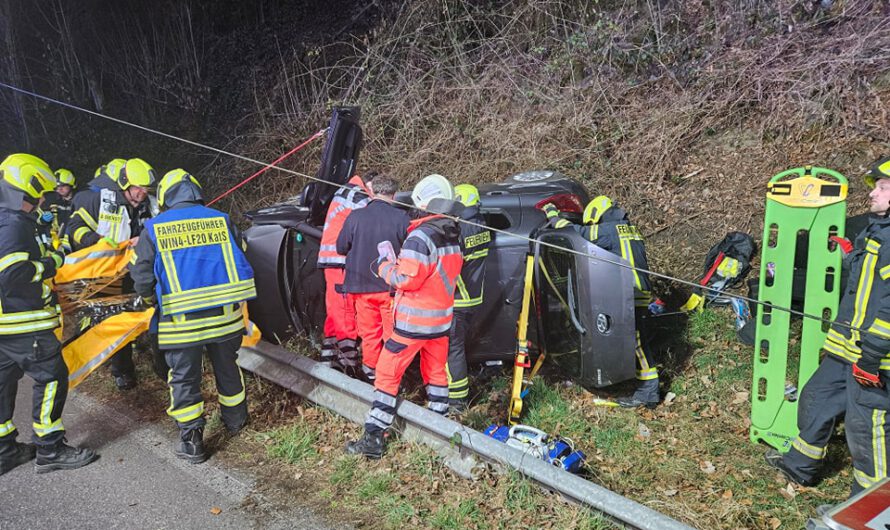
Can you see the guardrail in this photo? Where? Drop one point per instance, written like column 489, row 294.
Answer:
column 463, row 449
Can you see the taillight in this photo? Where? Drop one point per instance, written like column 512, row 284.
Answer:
column 564, row 202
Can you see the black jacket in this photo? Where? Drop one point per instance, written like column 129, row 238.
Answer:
column 23, row 266
column 474, row 244
column 363, row 229
column 90, row 202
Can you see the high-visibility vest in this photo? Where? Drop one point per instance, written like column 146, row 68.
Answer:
column 347, row 199
column 425, row 276
column 198, row 263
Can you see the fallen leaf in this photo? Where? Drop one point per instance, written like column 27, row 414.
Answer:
column 726, row 495
column 707, row 466
column 669, row 493
column 788, row 492
column 216, row 510
column 774, row 523
column 669, row 398
column 740, row 397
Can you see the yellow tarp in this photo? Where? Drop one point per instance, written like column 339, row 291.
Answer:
column 98, row 266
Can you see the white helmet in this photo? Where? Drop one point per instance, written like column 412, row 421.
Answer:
column 431, row 187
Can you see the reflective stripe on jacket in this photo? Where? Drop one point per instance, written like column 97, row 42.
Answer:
column 474, row 244
column 863, row 303
column 425, row 274
column 198, row 262
column 615, row 234
column 27, row 304
column 348, row 198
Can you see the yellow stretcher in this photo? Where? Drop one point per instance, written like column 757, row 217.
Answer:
column 85, row 278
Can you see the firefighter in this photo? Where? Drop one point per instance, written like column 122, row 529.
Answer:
column 29, row 313
column 339, row 326
column 56, row 208
column 110, row 211
column 424, row 275
column 608, row 227
column 826, row 398
column 364, row 228
column 475, row 240
column 190, row 261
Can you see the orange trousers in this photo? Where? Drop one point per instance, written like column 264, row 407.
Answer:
column 373, row 318
column 340, row 320
column 397, row 354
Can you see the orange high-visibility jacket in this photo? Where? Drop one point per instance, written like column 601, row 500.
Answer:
column 425, row 275
column 348, row 198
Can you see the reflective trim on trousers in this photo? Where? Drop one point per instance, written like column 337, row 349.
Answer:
column 42, row 429
column 186, row 414
column 6, row 428
column 810, row 451
column 237, row 399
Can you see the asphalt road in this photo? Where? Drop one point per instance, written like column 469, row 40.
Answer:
column 137, row 482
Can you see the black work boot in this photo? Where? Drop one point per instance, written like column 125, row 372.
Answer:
column 776, row 460
column 191, row 447
column 235, row 429
column 632, row 402
column 63, row 456
column 125, row 382
column 646, row 395
column 456, row 407
column 370, row 445
column 15, row 454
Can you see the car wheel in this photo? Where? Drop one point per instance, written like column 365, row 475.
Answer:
column 534, row 177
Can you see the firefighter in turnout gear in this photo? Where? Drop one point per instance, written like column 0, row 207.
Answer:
column 857, row 344
column 475, row 241
column 340, row 331
column 372, row 297
column 608, row 227
column 56, row 208
column 110, row 210
column 29, row 313
column 424, row 276
column 190, row 261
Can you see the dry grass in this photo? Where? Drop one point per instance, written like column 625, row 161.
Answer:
column 680, row 112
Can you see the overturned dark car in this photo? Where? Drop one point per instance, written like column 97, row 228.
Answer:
column 583, row 316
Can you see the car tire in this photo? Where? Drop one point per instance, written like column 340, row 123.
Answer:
column 535, row 177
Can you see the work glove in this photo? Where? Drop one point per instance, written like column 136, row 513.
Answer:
column 112, row 243
column 143, row 303
column 844, row 243
column 46, row 218
column 867, row 372
column 550, row 210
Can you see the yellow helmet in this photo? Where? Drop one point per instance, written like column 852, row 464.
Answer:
column 64, row 176
column 28, row 174
column 596, row 208
column 879, row 170
column 171, row 179
column 112, row 169
column 466, row 194
column 136, row 172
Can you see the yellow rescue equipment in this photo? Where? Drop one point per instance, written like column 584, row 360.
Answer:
column 88, row 273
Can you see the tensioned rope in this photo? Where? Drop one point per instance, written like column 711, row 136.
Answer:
column 266, row 166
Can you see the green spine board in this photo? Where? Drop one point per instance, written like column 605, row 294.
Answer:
column 774, row 419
